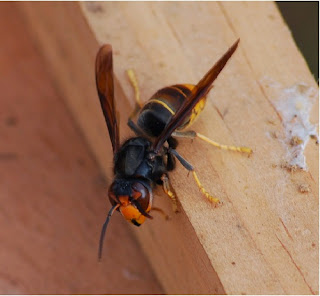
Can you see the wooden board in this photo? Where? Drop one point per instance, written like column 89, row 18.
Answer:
column 52, row 192
column 264, row 237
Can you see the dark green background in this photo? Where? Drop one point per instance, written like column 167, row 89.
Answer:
column 303, row 21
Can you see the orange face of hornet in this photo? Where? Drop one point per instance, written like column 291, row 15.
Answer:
column 135, row 203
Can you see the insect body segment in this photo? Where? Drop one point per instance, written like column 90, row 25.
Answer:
column 163, row 105
column 144, row 161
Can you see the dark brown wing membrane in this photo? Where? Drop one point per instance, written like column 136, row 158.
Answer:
column 105, row 88
column 199, row 91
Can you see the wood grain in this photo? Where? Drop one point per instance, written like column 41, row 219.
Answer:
column 52, row 192
column 264, row 237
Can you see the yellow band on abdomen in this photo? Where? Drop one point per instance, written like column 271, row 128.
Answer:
column 163, row 104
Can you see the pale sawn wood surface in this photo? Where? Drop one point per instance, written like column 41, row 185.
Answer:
column 264, row 237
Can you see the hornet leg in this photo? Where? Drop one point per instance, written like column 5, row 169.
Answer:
column 168, row 189
column 193, row 134
column 190, row 168
column 171, row 161
column 134, row 82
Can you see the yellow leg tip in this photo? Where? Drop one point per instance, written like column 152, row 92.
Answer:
column 131, row 74
column 170, row 192
column 173, row 201
column 225, row 147
column 212, row 199
column 247, row 150
column 134, row 82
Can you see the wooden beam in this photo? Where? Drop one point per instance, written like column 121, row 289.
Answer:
column 263, row 239
column 49, row 177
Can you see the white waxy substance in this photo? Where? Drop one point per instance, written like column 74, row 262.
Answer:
column 294, row 105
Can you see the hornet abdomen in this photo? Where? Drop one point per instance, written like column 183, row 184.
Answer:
column 163, row 105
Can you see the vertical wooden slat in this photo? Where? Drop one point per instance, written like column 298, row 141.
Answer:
column 52, row 192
